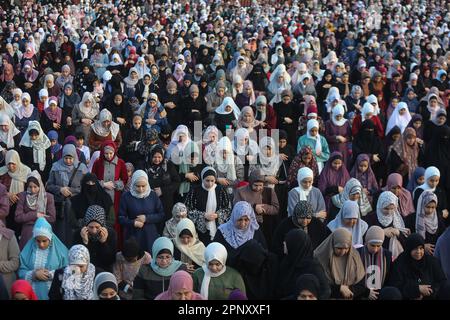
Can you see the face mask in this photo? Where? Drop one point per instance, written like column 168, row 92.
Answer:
column 91, row 189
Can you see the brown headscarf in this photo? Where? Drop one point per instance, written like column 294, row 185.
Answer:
column 408, row 154
column 346, row 270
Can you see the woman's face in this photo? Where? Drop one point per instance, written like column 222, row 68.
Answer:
column 396, row 190
column 306, row 295
column 402, row 112
column 418, row 253
column 433, row 181
column 215, row 266
column 157, row 158
column 247, row 117
column 209, row 181
column 25, row 102
column 410, row 140
column 229, row 108
column 433, row 103
column 180, row 215
column 340, row 252
column 68, row 160
column 49, row 83
column 109, row 154
column 68, row 91
column 88, row 103
column 4, row 127
column 363, row 166
column 351, row 222
column 389, row 210
column 182, row 294
column 336, row 164
column 354, row 196
column 186, row 239
column 441, row 120
column 243, row 223
column 417, row 124
column 33, row 188
column 396, row 136
column 306, row 158
column 328, row 77
column 420, row 180
column 42, row 242
column 430, row 208
column 17, row 97
column 313, row 132
column 306, row 183
column 108, row 294
column 164, row 260
column 118, row 99
column 303, row 221
column 19, row 296
column 373, row 247
column 141, row 186
column 221, row 92
column 286, row 99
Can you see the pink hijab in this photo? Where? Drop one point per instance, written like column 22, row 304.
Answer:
column 330, row 177
column 180, row 280
column 405, row 200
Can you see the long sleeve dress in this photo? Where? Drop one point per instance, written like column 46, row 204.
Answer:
column 131, row 207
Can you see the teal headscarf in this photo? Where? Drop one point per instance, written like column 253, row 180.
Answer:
column 163, row 243
column 56, row 258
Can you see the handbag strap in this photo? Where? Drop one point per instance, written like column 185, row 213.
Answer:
column 73, row 174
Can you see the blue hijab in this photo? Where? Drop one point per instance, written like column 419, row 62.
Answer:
column 412, row 183
column 56, row 257
column 163, row 243
column 236, row 237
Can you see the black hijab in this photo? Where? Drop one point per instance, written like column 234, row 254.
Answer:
column 367, row 140
column 257, row 267
column 90, row 195
column 438, row 149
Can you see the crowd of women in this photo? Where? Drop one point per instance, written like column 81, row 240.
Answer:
column 322, row 169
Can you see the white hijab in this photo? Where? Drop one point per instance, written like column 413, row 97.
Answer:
column 225, row 165
column 139, row 175
column 313, row 123
column 303, row 173
column 8, row 137
column 398, row 120
column 40, row 145
column 338, row 110
column 228, row 101
column 211, row 202
column 214, row 251
column 101, row 130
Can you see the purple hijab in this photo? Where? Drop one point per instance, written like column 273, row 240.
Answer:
column 367, row 178
column 330, row 177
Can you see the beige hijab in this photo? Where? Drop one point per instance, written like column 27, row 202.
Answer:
column 346, row 270
column 19, row 177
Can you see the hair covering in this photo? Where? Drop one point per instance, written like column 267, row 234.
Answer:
column 397, row 119
column 350, row 210
column 139, row 175
column 19, row 177
column 214, row 251
column 412, row 183
column 336, row 111
column 408, row 154
column 105, row 280
column 429, row 173
column 24, row 287
column 374, row 262
column 237, row 237
column 367, row 178
column 91, row 112
column 345, row 270
column 171, row 224
column 78, row 285
column 303, row 173
column 424, row 222
column 163, row 243
column 65, row 170
column 225, row 165
column 40, row 145
column 195, row 250
column 37, row 201
column 228, row 101
column 101, row 130
column 406, row 205
column 95, row 213
column 385, row 199
column 331, row 177
column 353, row 186
column 180, row 280
column 308, row 282
column 211, row 202
column 302, row 210
column 8, row 137
column 313, row 123
column 253, row 122
column 297, row 163
column 56, row 256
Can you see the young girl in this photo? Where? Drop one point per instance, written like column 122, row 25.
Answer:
column 333, row 177
column 363, row 172
column 214, row 280
column 318, row 144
